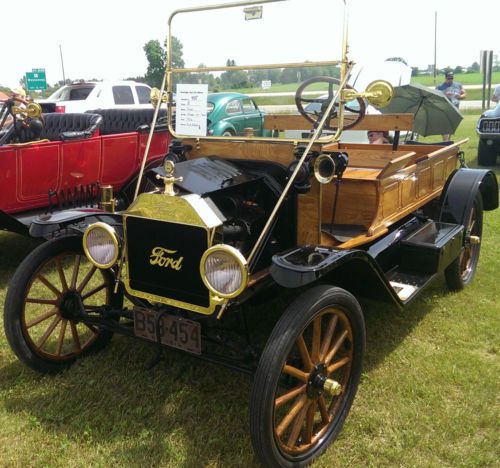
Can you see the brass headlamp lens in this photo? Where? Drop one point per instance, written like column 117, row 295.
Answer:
column 100, row 244
column 224, row 271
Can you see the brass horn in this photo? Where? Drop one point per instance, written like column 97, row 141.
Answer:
column 324, row 168
column 379, row 93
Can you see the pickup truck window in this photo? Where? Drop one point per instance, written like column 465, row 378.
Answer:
column 143, row 94
column 123, row 95
column 79, row 94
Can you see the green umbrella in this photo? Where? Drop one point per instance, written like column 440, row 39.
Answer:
column 433, row 113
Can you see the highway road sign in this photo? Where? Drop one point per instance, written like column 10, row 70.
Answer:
column 36, row 79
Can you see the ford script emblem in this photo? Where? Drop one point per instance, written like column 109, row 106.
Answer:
column 164, row 258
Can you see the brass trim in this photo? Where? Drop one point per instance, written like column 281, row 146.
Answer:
column 240, row 260
column 112, row 234
column 343, row 63
column 108, row 203
column 323, row 63
column 215, row 301
column 324, row 179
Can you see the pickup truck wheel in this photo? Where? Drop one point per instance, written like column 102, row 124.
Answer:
column 43, row 307
column 307, row 377
column 486, row 154
column 461, row 271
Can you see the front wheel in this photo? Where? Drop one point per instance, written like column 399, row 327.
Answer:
column 307, row 377
column 50, row 294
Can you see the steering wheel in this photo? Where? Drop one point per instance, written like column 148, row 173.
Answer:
column 356, row 108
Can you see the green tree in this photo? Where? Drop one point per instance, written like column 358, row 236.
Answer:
column 156, row 57
column 475, row 67
column 233, row 79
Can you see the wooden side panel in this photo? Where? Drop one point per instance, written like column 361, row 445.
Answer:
column 408, row 187
column 424, row 180
column 357, row 202
column 308, row 215
column 390, row 199
column 438, row 175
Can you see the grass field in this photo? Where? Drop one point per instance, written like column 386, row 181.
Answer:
column 464, row 78
column 428, row 395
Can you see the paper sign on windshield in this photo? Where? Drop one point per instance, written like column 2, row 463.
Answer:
column 191, row 109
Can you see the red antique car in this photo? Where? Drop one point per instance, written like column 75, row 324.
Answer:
column 62, row 162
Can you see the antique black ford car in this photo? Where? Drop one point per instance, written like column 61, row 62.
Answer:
column 224, row 221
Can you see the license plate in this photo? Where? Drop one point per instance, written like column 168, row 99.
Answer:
column 176, row 332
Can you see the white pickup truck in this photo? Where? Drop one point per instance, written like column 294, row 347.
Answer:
column 83, row 96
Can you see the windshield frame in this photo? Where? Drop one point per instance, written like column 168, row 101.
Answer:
column 167, row 85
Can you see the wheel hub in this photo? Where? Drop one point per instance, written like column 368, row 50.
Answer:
column 70, row 306
column 316, row 381
column 319, row 383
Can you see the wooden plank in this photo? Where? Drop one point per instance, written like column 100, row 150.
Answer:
column 380, row 122
column 280, row 152
column 396, row 164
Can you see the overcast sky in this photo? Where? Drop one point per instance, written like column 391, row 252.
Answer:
column 105, row 39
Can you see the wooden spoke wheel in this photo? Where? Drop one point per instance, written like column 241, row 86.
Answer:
column 307, row 377
column 461, row 271
column 50, row 294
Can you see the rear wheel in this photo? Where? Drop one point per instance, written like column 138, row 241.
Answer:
column 48, row 298
column 461, row 271
column 486, row 154
column 307, row 377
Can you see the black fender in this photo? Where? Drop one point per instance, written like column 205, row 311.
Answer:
column 354, row 270
column 461, row 189
column 9, row 222
column 73, row 221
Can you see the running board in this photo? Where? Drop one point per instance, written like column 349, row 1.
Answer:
column 408, row 285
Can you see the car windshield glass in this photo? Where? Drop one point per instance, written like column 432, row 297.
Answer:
column 227, row 65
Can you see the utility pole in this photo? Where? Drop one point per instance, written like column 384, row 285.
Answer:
column 435, row 46
column 62, row 64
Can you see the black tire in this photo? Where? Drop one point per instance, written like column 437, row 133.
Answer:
column 228, row 133
column 486, row 154
column 461, row 271
column 47, row 289
column 293, row 415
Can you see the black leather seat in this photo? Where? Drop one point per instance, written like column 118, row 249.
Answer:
column 70, row 126
column 57, row 127
column 126, row 120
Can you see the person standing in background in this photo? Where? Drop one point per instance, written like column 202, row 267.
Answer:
column 454, row 91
